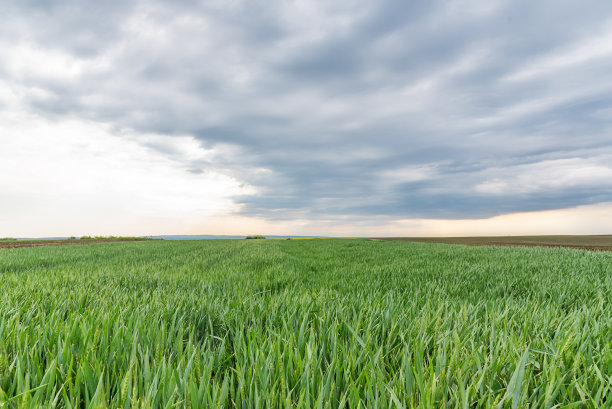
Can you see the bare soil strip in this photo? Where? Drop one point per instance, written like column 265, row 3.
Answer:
column 39, row 243
column 600, row 242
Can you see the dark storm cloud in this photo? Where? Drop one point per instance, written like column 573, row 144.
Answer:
column 447, row 109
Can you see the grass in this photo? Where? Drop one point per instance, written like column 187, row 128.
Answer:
column 304, row 323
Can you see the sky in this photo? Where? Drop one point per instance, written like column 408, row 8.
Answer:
column 335, row 118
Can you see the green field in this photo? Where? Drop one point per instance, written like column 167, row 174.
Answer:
column 304, row 323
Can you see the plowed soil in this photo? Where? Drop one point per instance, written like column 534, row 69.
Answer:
column 601, row 242
column 38, row 243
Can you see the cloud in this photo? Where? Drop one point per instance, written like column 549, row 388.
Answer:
column 443, row 109
column 55, row 181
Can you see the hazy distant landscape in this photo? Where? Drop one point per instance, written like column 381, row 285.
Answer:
column 590, row 242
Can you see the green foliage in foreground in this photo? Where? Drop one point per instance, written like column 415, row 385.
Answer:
column 304, row 323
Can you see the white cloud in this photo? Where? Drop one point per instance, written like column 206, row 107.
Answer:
column 548, row 175
column 598, row 46
column 408, row 174
column 76, row 177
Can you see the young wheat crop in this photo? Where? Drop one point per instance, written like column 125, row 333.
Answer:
column 304, row 323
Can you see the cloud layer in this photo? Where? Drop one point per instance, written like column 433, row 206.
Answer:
column 359, row 109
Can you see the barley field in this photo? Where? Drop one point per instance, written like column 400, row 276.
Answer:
column 329, row 323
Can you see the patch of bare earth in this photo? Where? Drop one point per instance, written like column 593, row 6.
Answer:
column 39, row 243
column 599, row 242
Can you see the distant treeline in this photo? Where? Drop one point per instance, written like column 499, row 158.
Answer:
column 256, row 236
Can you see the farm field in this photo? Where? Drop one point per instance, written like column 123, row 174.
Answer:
column 13, row 243
column 593, row 242
column 323, row 323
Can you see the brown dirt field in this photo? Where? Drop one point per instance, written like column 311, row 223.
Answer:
column 600, row 242
column 39, row 243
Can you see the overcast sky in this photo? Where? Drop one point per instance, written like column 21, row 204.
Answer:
column 386, row 117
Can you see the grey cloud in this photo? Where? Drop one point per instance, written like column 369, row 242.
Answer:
column 334, row 100
column 84, row 28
